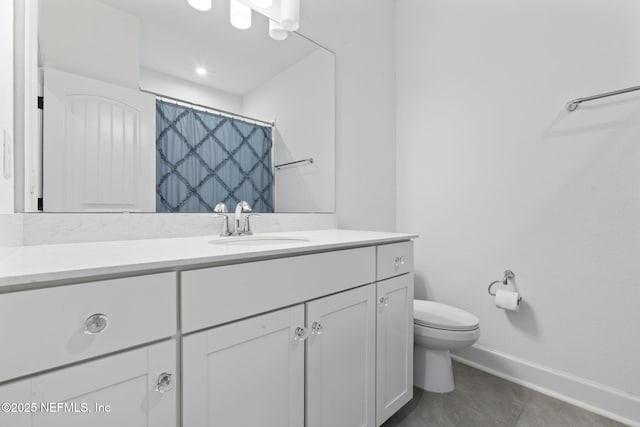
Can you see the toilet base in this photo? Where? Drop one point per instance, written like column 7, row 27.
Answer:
column 432, row 370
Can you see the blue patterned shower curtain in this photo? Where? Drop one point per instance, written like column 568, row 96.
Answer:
column 203, row 159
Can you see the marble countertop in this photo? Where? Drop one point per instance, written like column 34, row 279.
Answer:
column 31, row 266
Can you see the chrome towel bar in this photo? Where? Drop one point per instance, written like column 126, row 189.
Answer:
column 575, row 103
column 309, row 160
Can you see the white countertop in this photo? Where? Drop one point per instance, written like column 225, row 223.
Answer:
column 29, row 265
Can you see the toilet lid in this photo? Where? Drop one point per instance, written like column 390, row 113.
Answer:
column 442, row 316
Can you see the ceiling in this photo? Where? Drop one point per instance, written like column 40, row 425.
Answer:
column 175, row 39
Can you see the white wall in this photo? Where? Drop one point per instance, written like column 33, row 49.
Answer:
column 174, row 87
column 494, row 173
column 6, row 108
column 361, row 33
column 91, row 39
column 301, row 100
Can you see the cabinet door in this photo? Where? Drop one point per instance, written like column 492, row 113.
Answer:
column 119, row 390
column 394, row 371
column 247, row 373
column 341, row 359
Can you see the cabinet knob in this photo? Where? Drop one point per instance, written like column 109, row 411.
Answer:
column 300, row 333
column 165, row 383
column 384, row 302
column 399, row 260
column 96, row 324
column 316, row 328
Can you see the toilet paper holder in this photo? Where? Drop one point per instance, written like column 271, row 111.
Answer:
column 508, row 275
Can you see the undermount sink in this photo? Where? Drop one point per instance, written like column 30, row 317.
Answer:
column 258, row 240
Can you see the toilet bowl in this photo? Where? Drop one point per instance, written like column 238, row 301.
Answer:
column 438, row 329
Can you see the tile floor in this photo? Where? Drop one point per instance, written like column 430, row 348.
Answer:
column 484, row 400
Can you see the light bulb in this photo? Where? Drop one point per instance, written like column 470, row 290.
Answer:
column 202, row 5
column 276, row 31
column 240, row 15
column 201, row 71
column 290, row 14
column 262, row 3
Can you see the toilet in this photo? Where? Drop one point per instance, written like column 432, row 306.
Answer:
column 438, row 329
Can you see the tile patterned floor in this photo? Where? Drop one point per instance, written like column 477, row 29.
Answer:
column 483, row 400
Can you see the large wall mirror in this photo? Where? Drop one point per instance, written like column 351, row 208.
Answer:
column 154, row 106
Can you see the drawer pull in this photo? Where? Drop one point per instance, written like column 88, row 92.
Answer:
column 300, row 334
column 316, row 328
column 398, row 262
column 96, row 324
column 165, row 383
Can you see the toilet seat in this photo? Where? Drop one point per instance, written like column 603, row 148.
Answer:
column 432, row 314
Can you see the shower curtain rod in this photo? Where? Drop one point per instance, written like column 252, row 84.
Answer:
column 214, row 110
column 574, row 103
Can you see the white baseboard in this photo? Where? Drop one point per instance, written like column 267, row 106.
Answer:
column 594, row 397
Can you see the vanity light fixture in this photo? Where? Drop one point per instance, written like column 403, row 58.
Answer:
column 276, row 31
column 240, row 15
column 202, row 5
column 201, row 71
column 262, row 3
column 290, row 14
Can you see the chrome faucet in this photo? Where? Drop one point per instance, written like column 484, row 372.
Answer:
column 242, row 208
column 238, row 230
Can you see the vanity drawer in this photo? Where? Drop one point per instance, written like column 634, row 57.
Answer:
column 213, row 296
column 394, row 259
column 45, row 328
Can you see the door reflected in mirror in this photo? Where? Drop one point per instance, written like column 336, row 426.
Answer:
column 154, row 106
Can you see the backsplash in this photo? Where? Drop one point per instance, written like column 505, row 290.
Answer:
column 43, row 229
column 10, row 230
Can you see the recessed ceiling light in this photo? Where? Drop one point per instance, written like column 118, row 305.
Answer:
column 262, row 3
column 202, row 5
column 201, row 71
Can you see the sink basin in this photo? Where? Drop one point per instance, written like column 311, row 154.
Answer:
column 258, row 241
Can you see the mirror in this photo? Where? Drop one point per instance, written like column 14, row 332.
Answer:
column 154, row 106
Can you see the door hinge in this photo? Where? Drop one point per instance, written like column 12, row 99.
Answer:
column 40, row 204
column 41, row 103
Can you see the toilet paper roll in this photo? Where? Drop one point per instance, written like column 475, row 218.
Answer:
column 508, row 300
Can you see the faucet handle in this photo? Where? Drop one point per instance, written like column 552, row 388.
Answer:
column 247, row 225
column 220, row 208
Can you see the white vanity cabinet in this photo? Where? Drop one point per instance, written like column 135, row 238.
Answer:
column 314, row 339
column 134, row 389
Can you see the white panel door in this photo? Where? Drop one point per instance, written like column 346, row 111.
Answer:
column 98, row 146
column 394, row 352
column 247, row 373
column 340, row 388
column 119, row 390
